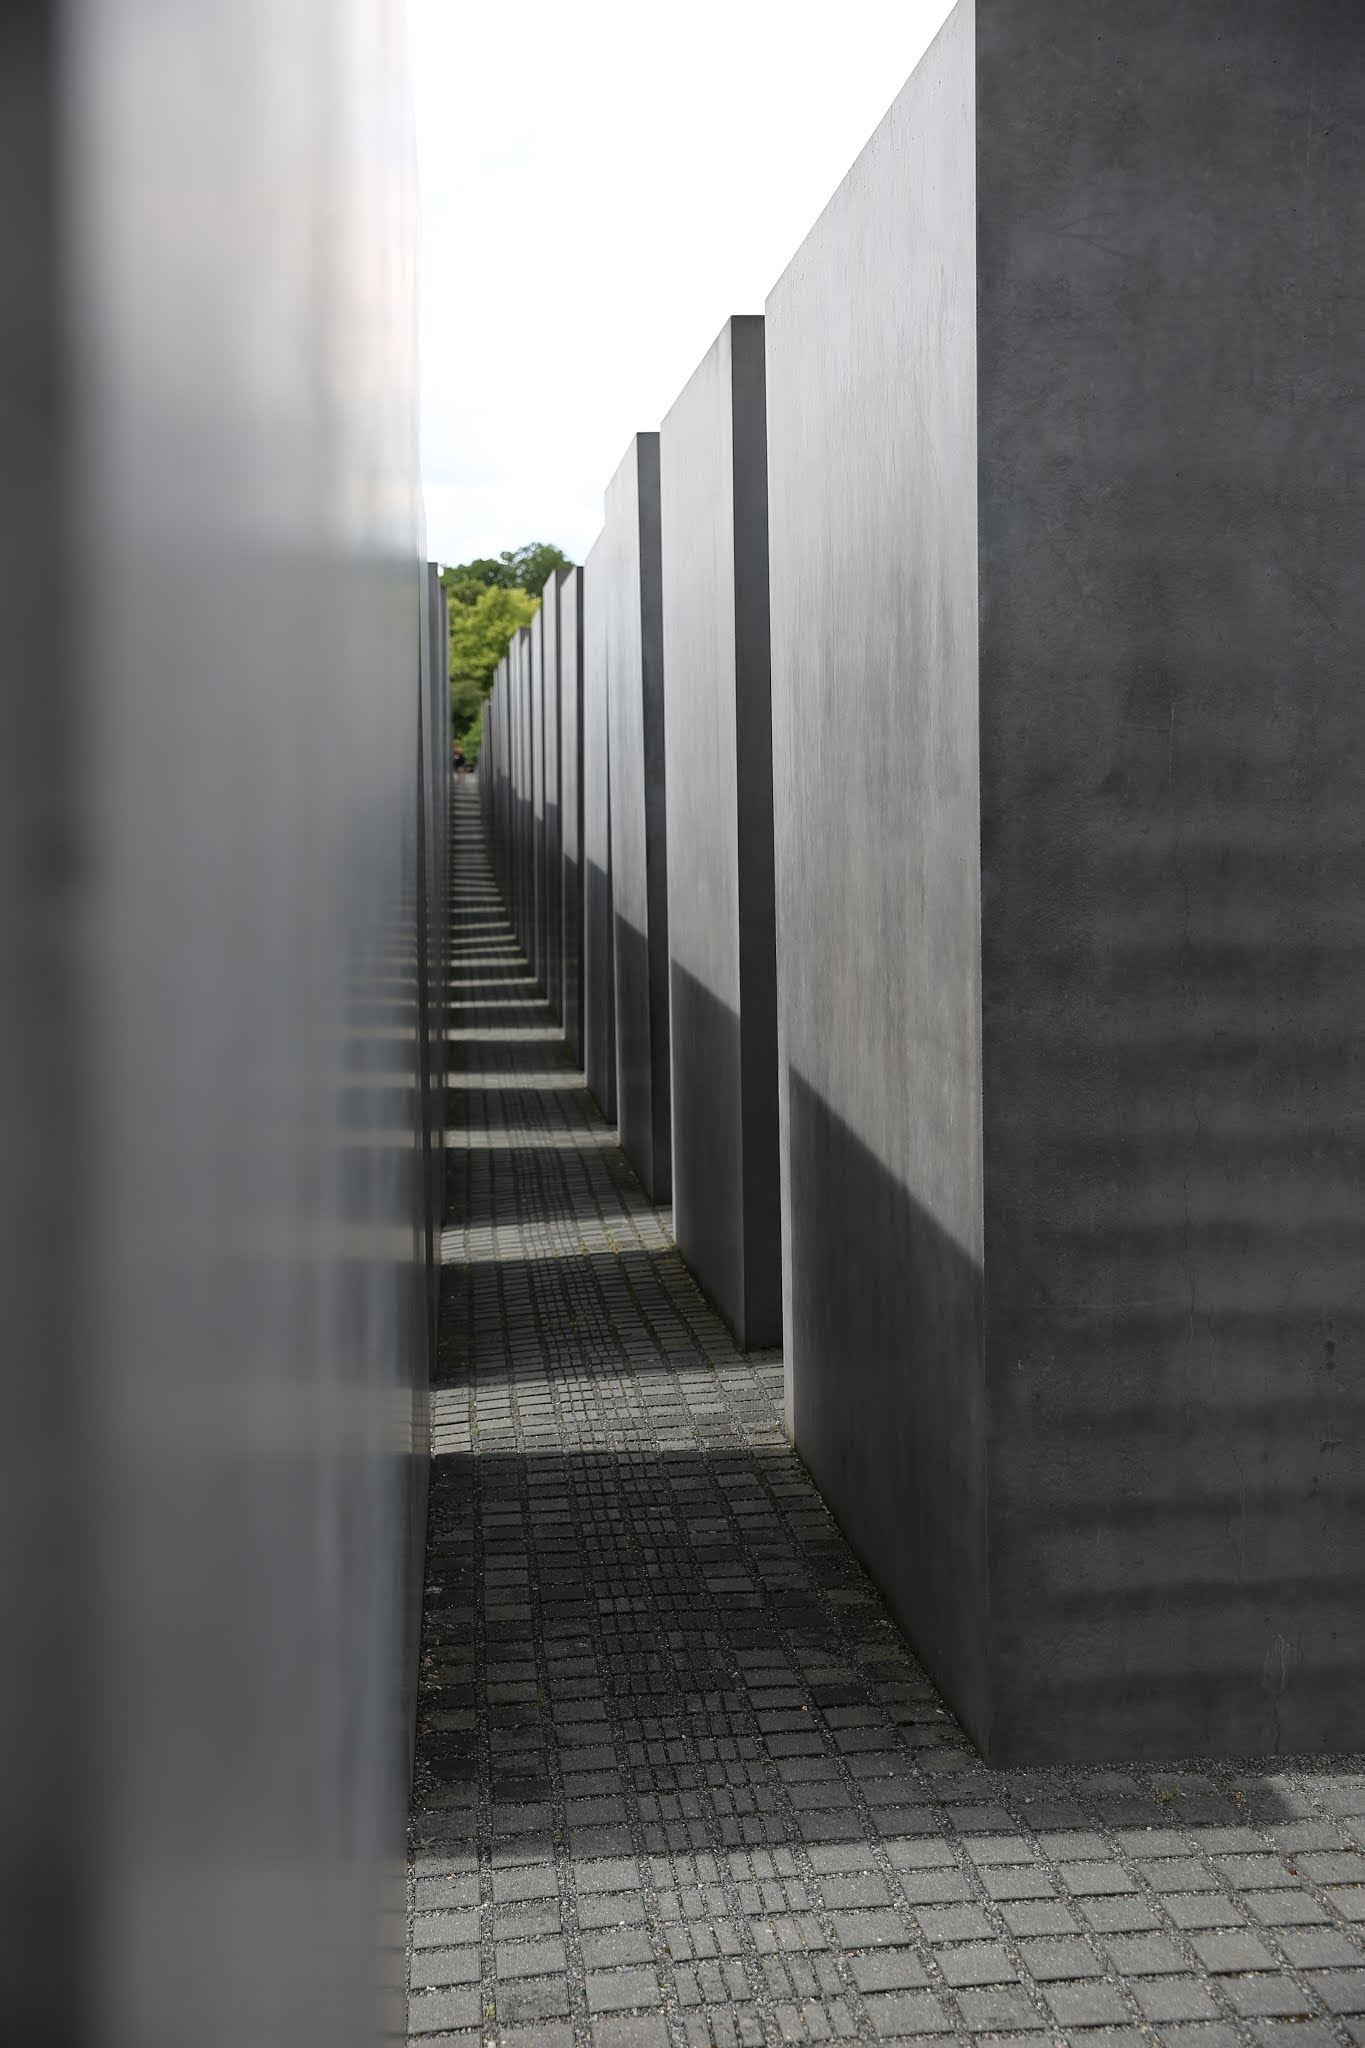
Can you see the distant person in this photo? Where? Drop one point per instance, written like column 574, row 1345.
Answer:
column 458, row 761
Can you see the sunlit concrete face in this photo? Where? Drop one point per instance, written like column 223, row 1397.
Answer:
column 211, row 611
column 1068, row 780
column 718, row 744
column 628, row 586
column 599, row 948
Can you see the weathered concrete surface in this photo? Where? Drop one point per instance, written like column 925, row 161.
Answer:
column 525, row 796
column 630, row 587
column 216, row 881
column 599, row 940
column 498, row 709
column 718, row 747
column 1076, row 1295
column 872, row 496
column 551, row 876
column 539, row 946
column 571, row 806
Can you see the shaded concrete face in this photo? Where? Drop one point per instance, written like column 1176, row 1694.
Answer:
column 539, row 799
column 1172, row 527
column 718, row 746
column 493, row 772
column 524, row 822
column 1098, row 1140
column 630, row 584
column 220, row 866
column 599, row 924
column 551, row 878
column 872, row 494
column 571, row 804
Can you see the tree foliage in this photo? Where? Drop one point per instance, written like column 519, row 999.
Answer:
column 479, row 636
column 489, row 601
column 527, row 569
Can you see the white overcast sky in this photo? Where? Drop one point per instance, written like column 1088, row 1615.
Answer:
column 603, row 186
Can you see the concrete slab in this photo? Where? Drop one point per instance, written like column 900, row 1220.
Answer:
column 1068, row 781
column 630, row 597
column 599, row 942
column 525, row 799
column 539, row 946
column 718, row 750
column 552, row 881
column 571, row 806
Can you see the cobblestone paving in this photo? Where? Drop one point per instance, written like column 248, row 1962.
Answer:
column 680, row 1780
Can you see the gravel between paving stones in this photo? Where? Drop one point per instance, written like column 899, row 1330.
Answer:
column 680, row 1782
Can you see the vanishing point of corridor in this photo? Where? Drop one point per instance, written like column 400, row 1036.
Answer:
column 679, row 1779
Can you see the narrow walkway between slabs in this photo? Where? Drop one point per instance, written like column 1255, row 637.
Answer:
column 679, row 1779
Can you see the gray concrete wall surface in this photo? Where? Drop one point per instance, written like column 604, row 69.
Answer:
column 504, row 724
column 571, row 805
column 525, row 798
column 1172, row 531
column 517, row 821
column 718, row 751
column 599, row 923
column 539, row 798
column 1071, row 1136
column 214, row 1178
column 872, row 493
column 503, row 771
column 630, row 585
column 551, row 877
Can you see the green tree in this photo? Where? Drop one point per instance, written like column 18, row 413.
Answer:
column 527, row 569
column 489, row 601
column 479, row 637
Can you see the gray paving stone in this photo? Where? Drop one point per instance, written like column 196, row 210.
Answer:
column 548, row 2036
column 1272, row 1996
column 906, row 2012
column 999, row 2009
column 1050, row 1961
column 1297, row 2033
column 437, row 1894
column 610, row 1909
column 445, row 1930
column 1040, row 1916
column 1086, row 2005
column 437, row 2012
column 868, row 1929
column 528, row 1958
column 888, row 1970
column 433, row 1967
column 636, row 2031
column 1286, row 1909
column 610, row 1990
column 615, row 1947
column 1085, row 1879
column 1317, row 1947
column 1204, row 1909
column 1232, row 1951
column 1340, row 1990
column 532, row 1998
column 672, row 1754
column 1175, row 1998
column 977, row 1962
column 954, row 1923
